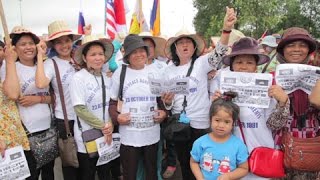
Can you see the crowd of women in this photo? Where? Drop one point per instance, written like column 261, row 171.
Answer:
column 92, row 91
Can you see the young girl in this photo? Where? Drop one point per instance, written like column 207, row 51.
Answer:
column 219, row 154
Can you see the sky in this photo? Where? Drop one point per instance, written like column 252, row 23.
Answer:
column 36, row 15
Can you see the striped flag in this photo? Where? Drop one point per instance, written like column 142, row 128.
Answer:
column 115, row 18
column 81, row 23
column 155, row 18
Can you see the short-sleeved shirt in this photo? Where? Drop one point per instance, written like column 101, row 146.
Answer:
column 87, row 90
column 66, row 71
column 216, row 158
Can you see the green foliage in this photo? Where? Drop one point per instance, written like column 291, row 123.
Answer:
column 256, row 16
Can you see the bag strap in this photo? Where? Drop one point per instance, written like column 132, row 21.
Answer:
column 63, row 105
column 267, row 65
column 241, row 130
column 185, row 103
column 122, row 77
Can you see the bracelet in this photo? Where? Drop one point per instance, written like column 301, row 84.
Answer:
column 226, row 31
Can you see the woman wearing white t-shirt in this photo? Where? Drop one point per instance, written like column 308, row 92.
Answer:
column 184, row 50
column 90, row 89
column 32, row 101
column 140, row 117
column 257, row 123
column 60, row 39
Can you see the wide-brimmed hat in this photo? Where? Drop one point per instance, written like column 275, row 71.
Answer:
column 17, row 30
column 131, row 43
column 294, row 34
column 200, row 43
column 158, row 41
column 244, row 46
column 60, row 28
column 269, row 41
column 91, row 39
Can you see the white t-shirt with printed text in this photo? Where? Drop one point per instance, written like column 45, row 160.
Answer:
column 38, row 116
column 198, row 102
column 87, row 90
column 66, row 71
column 137, row 97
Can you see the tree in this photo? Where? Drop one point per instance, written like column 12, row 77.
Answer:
column 255, row 16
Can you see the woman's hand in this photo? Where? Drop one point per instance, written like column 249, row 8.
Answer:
column 87, row 29
column 42, row 49
column 216, row 95
column 124, row 119
column 159, row 116
column 167, row 98
column 26, row 101
column 229, row 19
column 10, row 54
column 278, row 93
column 107, row 129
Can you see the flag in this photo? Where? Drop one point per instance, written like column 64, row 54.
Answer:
column 138, row 23
column 81, row 23
column 115, row 17
column 265, row 33
column 155, row 18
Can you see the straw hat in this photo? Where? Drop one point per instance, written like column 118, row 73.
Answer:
column 90, row 39
column 22, row 30
column 60, row 28
column 158, row 41
column 248, row 46
column 184, row 33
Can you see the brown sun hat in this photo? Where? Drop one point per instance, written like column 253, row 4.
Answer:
column 244, row 46
column 294, row 34
column 185, row 33
column 90, row 39
column 17, row 30
column 60, row 28
column 158, row 41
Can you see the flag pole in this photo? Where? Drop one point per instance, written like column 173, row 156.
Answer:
column 4, row 23
column 105, row 17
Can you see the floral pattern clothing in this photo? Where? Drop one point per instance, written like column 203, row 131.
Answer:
column 11, row 129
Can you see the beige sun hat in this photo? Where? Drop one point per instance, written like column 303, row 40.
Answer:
column 22, row 30
column 158, row 41
column 235, row 36
column 60, row 28
column 93, row 39
column 184, row 33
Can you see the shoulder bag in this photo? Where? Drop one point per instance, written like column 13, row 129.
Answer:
column 67, row 147
column 264, row 161
column 174, row 130
column 301, row 153
column 44, row 145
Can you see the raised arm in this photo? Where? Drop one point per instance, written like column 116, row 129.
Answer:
column 41, row 80
column 11, row 86
column 222, row 46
